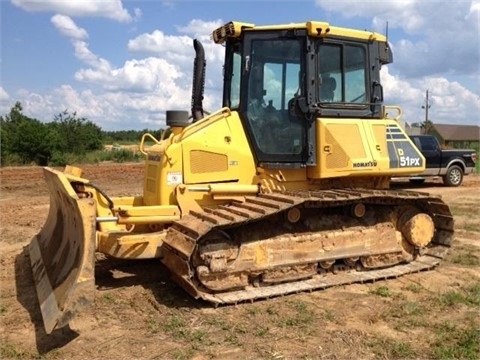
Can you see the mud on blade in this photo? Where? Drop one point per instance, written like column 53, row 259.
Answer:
column 62, row 253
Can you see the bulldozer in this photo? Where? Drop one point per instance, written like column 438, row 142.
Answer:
column 284, row 189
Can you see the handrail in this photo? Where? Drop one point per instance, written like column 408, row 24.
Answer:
column 397, row 108
column 142, row 141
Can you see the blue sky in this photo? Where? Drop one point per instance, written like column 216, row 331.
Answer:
column 122, row 64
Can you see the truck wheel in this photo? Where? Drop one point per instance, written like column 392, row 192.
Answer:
column 454, row 176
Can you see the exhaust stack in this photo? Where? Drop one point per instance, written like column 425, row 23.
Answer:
column 198, row 81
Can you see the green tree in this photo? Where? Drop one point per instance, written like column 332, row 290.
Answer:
column 7, row 129
column 76, row 134
column 29, row 140
column 25, row 137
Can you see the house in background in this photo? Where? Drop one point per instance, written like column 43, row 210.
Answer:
column 449, row 135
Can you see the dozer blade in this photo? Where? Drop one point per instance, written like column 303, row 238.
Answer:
column 62, row 253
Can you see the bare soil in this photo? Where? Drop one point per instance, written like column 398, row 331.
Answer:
column 140, row 313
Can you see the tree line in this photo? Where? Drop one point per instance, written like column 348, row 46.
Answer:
column 25, row 140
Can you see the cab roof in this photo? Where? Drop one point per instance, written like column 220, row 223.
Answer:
column 314, row 28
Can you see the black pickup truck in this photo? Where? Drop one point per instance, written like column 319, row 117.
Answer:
column 452, row 165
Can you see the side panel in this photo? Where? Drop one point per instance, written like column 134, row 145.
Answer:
column 352, row 147
column 215, row 149
column 163, row 172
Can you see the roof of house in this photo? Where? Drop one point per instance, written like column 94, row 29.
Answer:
column 458, row 132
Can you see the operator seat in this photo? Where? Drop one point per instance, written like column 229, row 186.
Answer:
column 327, row 89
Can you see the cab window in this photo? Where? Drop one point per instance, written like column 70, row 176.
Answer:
column 341, row 69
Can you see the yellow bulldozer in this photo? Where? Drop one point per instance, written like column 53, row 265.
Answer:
column 286, row 188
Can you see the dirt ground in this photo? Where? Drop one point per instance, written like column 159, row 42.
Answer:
column 140, row 313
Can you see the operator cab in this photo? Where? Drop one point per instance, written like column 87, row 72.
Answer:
column 280, row 79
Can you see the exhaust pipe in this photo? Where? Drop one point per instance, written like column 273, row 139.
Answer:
column 198, row 85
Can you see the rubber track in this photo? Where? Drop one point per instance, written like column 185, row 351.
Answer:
column 187, row 232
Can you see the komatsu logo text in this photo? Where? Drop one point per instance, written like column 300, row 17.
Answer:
column 365, row 164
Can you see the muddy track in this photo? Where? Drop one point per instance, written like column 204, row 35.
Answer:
column 185, row 235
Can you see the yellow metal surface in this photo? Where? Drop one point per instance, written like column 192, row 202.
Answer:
column 163, row 172
column 352, row 147
column 230, row 29
column 232, row 189
column 163, row 210
column 314, row 28
column 126, row 245
column 148, row 219
column 73, row 170
column 62, row 253
column 214, row 150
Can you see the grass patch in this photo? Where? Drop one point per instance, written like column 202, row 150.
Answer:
column 470, row 226
column 153, row 325
column 175, row 325
column 454, row 343
column 108, row 298
column 387, row 348
column 469, row 295
column 463, row 210
column 408, row 314
column 261, row 331
column 382, row 291
column 467, row 259
column 329, row 315
column 232, row 339
column 271, row 310
column 216, row 321
column 10, row 351
column 413, row 287
column 300, row 315
column 182, row 353
column 473, row 293
column 465, row 255
column 409, row 308
column 451, row 298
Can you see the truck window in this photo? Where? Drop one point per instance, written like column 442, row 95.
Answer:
column 428, row 143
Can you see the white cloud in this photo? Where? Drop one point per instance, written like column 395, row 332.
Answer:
column 112, row 9
column 159, row 43
column 200, row 28
column 451, row 103
column 137, row 14
column 67, row 27
column 443, row 36
column 4, row 102
column 3, row 94
column 83, row 53
column 117, row 108
column 141, row 89
column 137, row 93
column 179, row 49
column 145, row 75
column 399, row 13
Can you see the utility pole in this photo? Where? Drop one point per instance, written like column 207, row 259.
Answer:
column 426, row 107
